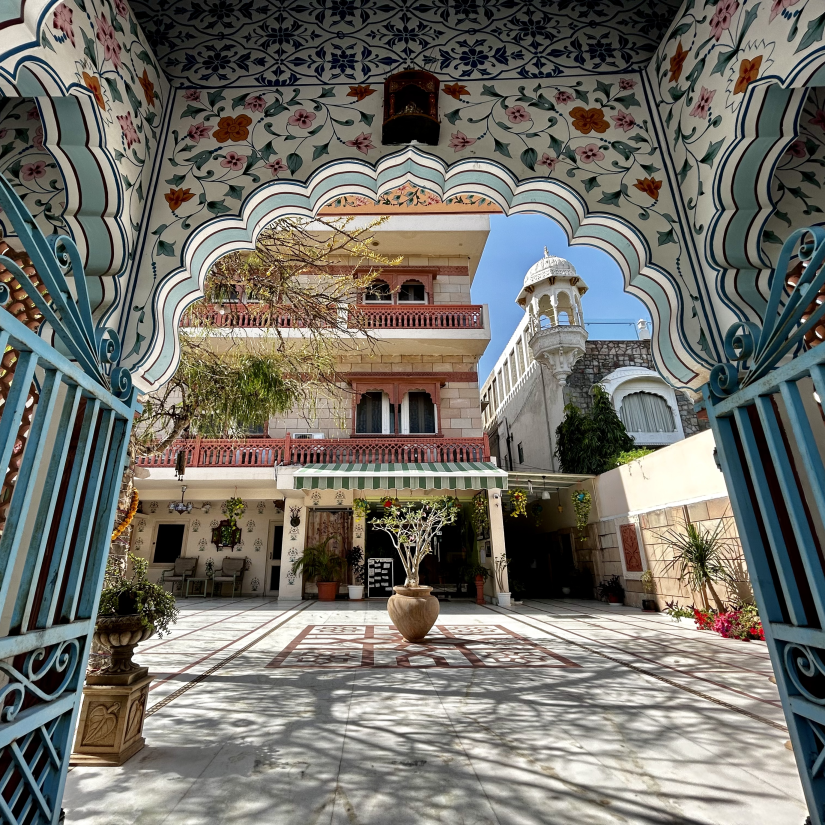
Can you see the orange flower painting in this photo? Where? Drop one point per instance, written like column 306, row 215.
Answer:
column 177, row 197
column 148, row 89
column 93, row 83
column 233, row 128
column 360, row 92
column 677, row 63
column 455, row 90
column 748, row 72
column 650, row 186
column 588, row 120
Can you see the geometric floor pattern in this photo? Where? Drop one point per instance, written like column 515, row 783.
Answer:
column 382, row 646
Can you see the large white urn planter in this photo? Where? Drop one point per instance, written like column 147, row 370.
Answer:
column 504, row 600
column 356, row 592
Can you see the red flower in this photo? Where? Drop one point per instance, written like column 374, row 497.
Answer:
column 360, row 92
column 455, row 90
column 177, row 197
column 677, row 62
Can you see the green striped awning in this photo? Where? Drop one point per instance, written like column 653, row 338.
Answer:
column 468, row 475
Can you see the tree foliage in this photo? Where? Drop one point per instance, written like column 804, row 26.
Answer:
column 590, row 442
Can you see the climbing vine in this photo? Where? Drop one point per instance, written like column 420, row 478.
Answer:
column 581, row 504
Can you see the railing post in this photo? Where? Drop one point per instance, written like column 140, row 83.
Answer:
column 287, row 449
column 196, row 452
column 486, row 446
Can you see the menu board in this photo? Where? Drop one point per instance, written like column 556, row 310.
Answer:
column 379, row 578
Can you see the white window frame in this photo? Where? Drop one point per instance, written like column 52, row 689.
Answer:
column 405, row 413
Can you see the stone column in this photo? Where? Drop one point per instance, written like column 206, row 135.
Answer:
column 497, row 543
column 290, row 588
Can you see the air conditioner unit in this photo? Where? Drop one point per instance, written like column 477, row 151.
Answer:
column 307, row 435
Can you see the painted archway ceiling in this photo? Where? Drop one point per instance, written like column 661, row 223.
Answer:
column 336, row 41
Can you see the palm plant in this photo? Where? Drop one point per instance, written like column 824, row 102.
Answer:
column 699, row 559
column 319, row 563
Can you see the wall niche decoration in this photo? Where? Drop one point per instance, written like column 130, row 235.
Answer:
column 411, row 108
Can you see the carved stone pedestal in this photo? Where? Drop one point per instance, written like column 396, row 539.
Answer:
column 110, row 729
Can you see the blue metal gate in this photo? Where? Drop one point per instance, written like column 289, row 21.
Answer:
column 765, row 409
column 56, row 536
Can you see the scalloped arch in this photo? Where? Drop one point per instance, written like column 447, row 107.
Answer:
column 681, row 363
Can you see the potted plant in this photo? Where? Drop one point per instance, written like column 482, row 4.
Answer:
column 500, row 570
column 611, row 589
column 323, row 566
column 412, row 527
column 131, row 609
column 227, row 533
column 360, row 508
column 477, row 573
column 355, row 560
column 649, row 586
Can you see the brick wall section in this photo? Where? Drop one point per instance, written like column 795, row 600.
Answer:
column 603, row 357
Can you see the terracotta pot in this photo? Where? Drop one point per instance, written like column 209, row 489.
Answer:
column 413, row 611
column 121, row 634
column 327, row 591
column 613, row 599
column 479, row 589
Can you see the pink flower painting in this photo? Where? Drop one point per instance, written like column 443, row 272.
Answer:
column 779, row 6
column 107, row 36
column 589, row 153
column 363, row 143
column 460, row 141
column 62, row 21
column 198, row 132
column 627, row 83
column 302, row 119
column 517, row 114
column 128, row 128
column 234, row 161
column 703, row 103
column 121, row 8
column 33, row 114
column 549, row 161
column 37, row 140
column 31, row 171
column 797, row 149
column 255, row 103
column 193, row 95
column 818, row 119
column 722, row 17
column 276, row 166
column 623, row 121
column 563, row 97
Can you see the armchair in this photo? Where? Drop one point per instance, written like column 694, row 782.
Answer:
column 184, row 568
column 232, row 570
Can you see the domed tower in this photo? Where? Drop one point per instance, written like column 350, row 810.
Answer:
column 551, row 296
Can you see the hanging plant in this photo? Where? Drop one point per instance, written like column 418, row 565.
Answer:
column 481, row 514
column 360, row 507
column 387, row 502
column 536, row 510
column 234, row 508
column 581, row 504
column 518, row 498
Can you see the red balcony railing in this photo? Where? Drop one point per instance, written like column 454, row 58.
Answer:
column 395, row 316
column 268, row 452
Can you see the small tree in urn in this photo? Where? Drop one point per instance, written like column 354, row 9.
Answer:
column 412, row 528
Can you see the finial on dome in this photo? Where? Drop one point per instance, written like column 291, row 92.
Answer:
column 546, row 253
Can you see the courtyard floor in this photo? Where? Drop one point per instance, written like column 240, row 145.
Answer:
column 564, row 712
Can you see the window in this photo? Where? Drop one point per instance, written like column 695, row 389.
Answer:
column 375, row 414
column 378, row 291
column 412, row 291
column 258, row 431
column 168, row 543
column 520, row 453
column 421, row 412
column 646, row 412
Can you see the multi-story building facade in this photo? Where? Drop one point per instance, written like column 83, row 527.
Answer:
column 404, row 425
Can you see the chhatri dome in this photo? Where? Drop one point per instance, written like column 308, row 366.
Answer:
column 552, row 268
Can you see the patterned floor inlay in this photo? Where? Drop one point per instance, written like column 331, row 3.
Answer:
column 381, row 646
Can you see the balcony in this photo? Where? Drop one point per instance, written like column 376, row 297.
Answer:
column 269, row 452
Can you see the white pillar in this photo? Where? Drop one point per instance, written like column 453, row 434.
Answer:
column 497, row 543
column 292, row 548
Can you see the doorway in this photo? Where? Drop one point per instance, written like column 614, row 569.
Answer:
column 168, row 543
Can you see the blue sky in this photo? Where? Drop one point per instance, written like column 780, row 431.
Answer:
column 513, row 246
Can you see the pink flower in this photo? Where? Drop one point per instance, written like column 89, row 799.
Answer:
column 623, row 120
column 128, row 129
column 303, row 119
column 106, row 35
column 780, row 6
column 703, row 103
column 549, row 161
column 234, row 161
column 37, row 140
column 276, row 166
column 199, row 131
column 62, row 21
column 818, row 119
column 797, row 149
column 30, row 171
column 459, row 141
column 192, row 94
column 563, row 97
column 721, row 20
column 589, row 153
column 363, row 143
column 121, row 8
column 3, row 133
column 517, row 114
column 255, row 104
column 627, row 83
column 33, row 114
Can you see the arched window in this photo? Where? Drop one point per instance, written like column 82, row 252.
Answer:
column 378, row 291
column 420, row 412
column 412, row 291
column 374, row 414
column 646, row 412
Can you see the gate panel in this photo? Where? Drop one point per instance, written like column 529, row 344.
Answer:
column 770, row 449
column 56, row 536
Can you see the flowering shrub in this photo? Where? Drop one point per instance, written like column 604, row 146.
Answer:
column 741, row 622
column 704, row 618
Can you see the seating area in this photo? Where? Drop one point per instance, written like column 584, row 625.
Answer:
column 184, row 573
